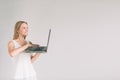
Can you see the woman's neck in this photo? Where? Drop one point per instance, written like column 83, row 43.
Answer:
column 21, row 38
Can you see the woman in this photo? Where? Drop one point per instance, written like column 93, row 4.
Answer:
column 23, row 61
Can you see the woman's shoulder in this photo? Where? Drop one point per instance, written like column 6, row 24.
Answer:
column 11, row 42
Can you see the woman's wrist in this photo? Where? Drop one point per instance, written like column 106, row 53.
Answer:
column 26, row 46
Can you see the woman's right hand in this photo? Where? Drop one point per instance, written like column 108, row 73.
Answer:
column 29, row 44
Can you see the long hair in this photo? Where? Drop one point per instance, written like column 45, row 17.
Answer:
column 16, row 28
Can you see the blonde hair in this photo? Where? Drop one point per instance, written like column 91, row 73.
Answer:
column 16, row 28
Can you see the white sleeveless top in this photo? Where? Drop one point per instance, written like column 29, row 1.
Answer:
column 23, row 66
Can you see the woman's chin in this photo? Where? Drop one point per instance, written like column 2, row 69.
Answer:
column 25, row 34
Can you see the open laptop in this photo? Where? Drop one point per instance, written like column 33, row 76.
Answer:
column 39, row 49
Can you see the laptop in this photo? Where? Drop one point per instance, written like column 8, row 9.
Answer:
column 37, row 48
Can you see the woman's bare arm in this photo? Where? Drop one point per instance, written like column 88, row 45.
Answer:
column 12, row 51
column 35, row 57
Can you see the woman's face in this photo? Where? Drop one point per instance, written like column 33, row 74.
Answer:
column 23, row 29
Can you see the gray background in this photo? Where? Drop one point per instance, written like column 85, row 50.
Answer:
column 85, row 39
